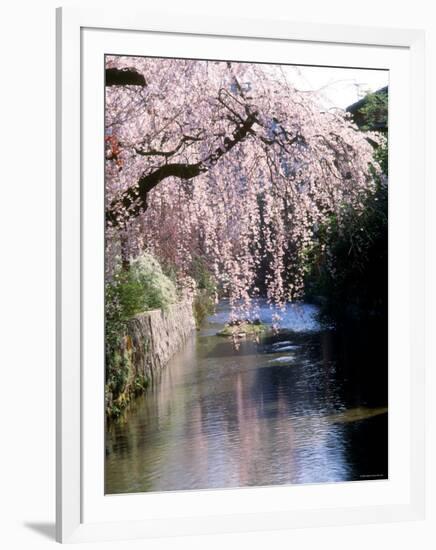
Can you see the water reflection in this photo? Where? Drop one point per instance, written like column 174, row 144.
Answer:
column 285, row 410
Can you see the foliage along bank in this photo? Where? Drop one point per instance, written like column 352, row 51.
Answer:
column 150, row 314
column 347, row 269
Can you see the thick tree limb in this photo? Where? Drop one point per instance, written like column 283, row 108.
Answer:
column 134, row 200
column 124, row 77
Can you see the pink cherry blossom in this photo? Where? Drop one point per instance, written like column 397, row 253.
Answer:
column 227, row 161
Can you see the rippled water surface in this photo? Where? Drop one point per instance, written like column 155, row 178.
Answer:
column 303, row 406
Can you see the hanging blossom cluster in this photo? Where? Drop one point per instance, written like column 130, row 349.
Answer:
column 227, row 161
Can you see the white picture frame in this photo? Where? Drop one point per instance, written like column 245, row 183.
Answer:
column 81, row 516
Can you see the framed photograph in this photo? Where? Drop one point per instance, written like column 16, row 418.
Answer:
column 240, row 275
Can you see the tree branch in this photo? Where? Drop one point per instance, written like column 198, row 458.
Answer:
column 186, row 140
column 134, row 200
column 124, row 77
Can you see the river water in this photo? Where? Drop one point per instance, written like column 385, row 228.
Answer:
column 305, row 405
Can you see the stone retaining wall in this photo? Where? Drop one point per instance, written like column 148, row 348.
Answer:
column 151, row 339
column 157, row 335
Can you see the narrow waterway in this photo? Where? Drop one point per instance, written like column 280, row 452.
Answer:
column 306, row 405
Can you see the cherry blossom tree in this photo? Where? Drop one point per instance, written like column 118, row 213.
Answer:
column 227, row 161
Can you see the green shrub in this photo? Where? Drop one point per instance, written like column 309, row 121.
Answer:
column 349, row 265
column 204, row 299
column 202, row 275
column 140, row 288
column 158, row 290
column 203, row 305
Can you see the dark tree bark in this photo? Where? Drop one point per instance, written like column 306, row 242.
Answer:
column 134, row 200
column 124, row 77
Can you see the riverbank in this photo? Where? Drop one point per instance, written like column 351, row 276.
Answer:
column 300, row 405
column 150, row 340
